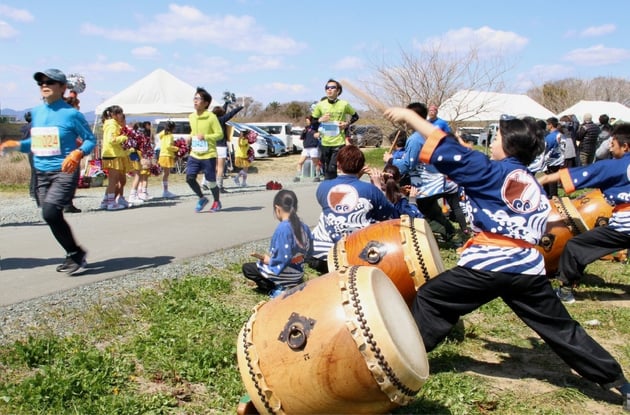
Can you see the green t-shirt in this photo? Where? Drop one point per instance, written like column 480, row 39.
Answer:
column 331, row 136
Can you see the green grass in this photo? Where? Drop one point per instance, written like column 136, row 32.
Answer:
column 171, row 348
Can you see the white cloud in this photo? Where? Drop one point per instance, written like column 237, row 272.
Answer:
column 185, row 23
column 594, row 31
column 19, row 15
column 597, row 55
column 144, row 52
column 7, row 31
column 263, row 63
column 349, row 62
column 487, row 40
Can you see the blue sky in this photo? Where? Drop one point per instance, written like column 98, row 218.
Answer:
column 286, row 50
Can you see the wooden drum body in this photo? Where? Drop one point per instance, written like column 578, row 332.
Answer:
column 404, row 249
column 341, row 343
column 569, row 218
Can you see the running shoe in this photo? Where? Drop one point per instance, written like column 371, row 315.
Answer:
column 216, row 206
column 201, row 204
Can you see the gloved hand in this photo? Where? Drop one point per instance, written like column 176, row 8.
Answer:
column 9, row 145
column 72, row 161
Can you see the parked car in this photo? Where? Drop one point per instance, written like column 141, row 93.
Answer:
column 260, row 146
column 366, row 135
column 296, row 133
column 275, row 146
column 282, row 130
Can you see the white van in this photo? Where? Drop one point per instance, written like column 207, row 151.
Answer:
column 182, row 130
column 282, row 130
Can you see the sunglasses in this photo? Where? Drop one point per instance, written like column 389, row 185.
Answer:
column 331, row 86
column 48, row 82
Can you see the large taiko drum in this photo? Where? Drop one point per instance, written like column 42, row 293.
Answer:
column 591, row 207
column 568, row 218
column 341, row 343
column 405, row 249
column 560, row 228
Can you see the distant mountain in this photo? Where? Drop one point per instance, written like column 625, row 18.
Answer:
column 19, row 115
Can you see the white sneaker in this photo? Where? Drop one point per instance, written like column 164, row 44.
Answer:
column 144, row 196
column 104, row 204
column 115, row 206
column 168, row 195
column 135, row 201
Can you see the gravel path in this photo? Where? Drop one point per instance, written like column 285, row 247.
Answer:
column 53, row 311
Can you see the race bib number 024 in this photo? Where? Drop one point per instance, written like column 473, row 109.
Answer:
column 45, row 141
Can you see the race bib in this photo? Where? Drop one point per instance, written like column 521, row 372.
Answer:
column 199, row 146
column 45, row 141
column 329, row 129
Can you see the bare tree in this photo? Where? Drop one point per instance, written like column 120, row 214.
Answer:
column 560, row 95
column 432, row 76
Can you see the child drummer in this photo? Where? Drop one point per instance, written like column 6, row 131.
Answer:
column 611, row 177
column 508, row 211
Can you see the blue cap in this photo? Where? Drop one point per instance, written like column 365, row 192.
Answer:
column 54, row 74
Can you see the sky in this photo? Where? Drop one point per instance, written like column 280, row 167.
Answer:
column 286, row 50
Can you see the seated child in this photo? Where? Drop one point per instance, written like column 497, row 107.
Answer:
column 283, row 266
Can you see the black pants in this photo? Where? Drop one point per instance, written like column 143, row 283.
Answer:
column 586, row 248
column 328, row 157
column 432, row 211
column 441, row 301
column 250, row 271
column 551, row 188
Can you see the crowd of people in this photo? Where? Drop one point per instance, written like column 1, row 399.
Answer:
column 500, row 202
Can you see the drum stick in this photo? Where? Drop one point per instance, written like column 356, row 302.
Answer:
column 259, row 256
column 359, row 93
column 391, row 149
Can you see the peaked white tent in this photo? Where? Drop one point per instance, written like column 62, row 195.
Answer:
column 597, row 108
column 480, row 106
column 158, row 93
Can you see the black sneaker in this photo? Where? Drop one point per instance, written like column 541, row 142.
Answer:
column 565, row 294
column 74, row 263
column 222, row 190
column 71, row 209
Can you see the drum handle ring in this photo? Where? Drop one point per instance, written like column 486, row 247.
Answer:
column 296, row 338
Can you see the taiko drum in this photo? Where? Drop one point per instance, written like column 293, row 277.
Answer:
column 341, row 343
column 405, row 249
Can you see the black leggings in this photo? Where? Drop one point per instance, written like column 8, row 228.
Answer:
column 53, row 215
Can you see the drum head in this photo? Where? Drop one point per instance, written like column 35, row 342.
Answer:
column 389, row 319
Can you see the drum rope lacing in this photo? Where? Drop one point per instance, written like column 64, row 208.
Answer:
column 368, row 337
column 416, row 247
column 258, row 379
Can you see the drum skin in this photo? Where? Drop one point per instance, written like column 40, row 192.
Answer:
column 405, row 249
column 341, row 343
column 569, row 218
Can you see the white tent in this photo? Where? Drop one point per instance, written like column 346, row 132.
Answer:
column 480, row 106
column 158, row 93
column 597, row 108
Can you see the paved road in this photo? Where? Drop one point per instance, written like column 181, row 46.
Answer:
column 120, row 242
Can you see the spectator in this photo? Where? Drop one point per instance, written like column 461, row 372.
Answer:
column 435, row 120
column 587, row 140
column 26, row 133
column 310, row 144
column 567, row 140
